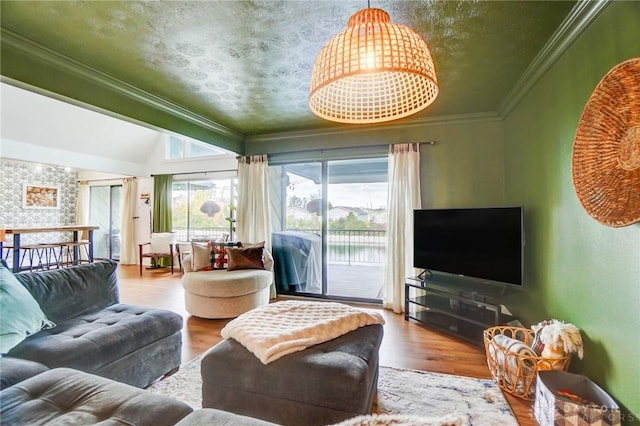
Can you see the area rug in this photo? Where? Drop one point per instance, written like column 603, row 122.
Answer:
column 400, row 391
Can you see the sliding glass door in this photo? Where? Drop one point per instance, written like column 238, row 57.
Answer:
column 104, row 210
column 357, row 223
column 330, row 228
column 297, row 240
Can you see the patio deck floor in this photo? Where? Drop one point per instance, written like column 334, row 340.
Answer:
column 361, row 281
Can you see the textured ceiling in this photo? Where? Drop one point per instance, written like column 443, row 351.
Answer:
column 247, row 64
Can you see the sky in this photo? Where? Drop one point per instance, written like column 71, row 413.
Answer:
column 364, row 195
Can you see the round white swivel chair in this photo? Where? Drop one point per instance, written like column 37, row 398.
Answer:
column 220, row 293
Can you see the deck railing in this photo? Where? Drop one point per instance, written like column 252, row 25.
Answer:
column 184, row 234
column 356, row 246
column 344, row 245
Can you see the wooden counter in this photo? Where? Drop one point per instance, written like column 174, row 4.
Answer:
column 75, row 229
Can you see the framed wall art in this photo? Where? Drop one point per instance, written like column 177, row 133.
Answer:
column 35, row 196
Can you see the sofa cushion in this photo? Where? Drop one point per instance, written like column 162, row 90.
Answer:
column 20, row 313
column 91, row 341
column 268, row 262
column 201, row 257
column 15, row 370
column 245, row 258
column 66, row 396
column 69, row 292
column 253, row 245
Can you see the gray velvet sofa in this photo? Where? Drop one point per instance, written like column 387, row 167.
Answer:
column 63, row 396
column 93, row 332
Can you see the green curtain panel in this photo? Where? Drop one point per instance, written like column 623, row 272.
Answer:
column 162, row 221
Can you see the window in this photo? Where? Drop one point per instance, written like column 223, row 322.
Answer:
column 200, row 208
column 180, row 147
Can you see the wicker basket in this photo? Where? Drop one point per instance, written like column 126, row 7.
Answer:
column 606, row 148
column 513, row 372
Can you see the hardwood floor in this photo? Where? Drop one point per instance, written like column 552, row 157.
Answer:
column 405, row 344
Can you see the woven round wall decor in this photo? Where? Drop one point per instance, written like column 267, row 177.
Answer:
column 606, row 148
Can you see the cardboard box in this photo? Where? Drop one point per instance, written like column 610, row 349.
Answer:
column 552, row 408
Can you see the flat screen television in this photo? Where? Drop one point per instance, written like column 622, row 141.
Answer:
column 483, row 243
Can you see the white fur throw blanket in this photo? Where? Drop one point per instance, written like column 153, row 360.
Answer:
column 278, row 329
column 402, row 420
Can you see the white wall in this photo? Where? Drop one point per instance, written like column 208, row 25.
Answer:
column 41, row 129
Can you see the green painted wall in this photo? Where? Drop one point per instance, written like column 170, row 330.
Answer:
column 577, row 270
column 464, row 167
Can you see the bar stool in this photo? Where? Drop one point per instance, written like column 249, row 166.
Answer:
column 68, row 249
column 28, row 251
column 6, row 249
column 3, row 233
column 46, row 252
column 85, row 244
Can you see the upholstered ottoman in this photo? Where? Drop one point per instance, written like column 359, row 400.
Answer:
column 320, row 385
column 67, row 396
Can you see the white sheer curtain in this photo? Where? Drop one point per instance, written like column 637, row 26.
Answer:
column 82, row 212
column 253, row 220
column 128, row 247
column 404, row 197
column 82, row 204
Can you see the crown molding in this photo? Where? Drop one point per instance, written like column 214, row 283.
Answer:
column 581, row 16
column 363, row 129
column 576, row 22
column 12, row 40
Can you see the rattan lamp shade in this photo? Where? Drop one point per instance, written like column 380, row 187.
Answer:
column 374, row 71
column 606, row 149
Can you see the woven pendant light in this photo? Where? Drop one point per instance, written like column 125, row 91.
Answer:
column 374, row 71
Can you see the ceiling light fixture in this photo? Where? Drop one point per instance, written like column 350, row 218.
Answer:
column 374, row 71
